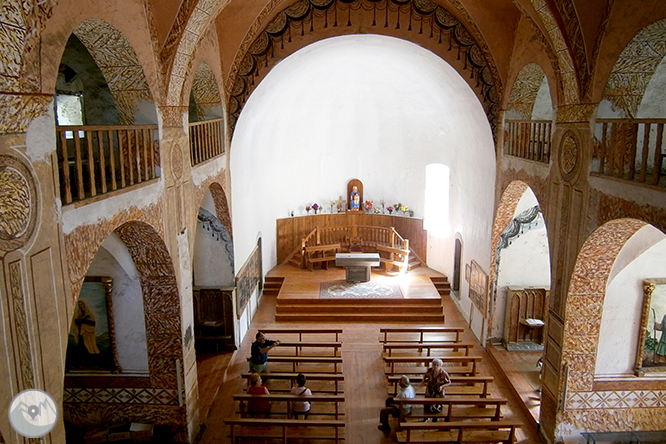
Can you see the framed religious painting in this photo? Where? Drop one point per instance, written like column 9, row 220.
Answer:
column 478, row 287
column 91, row 343
column 651, row 355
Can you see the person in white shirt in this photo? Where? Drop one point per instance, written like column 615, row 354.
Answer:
column 300, row 407
column 406, row 392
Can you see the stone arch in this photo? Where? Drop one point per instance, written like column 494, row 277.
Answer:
column 566, row 60
column 464, row 49
column 599, row 261
column 22, row 25
column 634, row 69
column 119, row 64
column 221, row 206
column 206, row 93
column 158, row 398
column 505, row 227
column 524, row 93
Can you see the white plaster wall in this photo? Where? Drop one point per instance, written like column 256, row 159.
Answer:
column 653, row 104
column 369, row 107
column 114, row 260
column 622, row 311
column 212, row 267
column 543, row 105
column 524, row 263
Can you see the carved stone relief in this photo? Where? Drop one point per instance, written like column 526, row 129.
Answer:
column 18, row 203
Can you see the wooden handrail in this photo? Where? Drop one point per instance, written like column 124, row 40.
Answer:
column 206, row 140
column 97, row 159
column 528, row 139
column 631, row 150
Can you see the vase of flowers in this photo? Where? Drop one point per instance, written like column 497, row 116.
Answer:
column 307, row 208
column 404, row 209
column 390, row 209
column 315, row 207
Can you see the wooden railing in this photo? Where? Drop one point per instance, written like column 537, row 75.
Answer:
column 95, row 160
column 368, row 235
column 630, row 149
column 528, row 139
column 206, row 140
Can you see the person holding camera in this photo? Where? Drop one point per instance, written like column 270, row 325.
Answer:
column 259, row 353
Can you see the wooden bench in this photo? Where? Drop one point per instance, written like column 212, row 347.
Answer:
column 298, row 361
column 453, row 347
column 460, row 385
column 458, row 432
column 316, row 401
column 419, row 335
column 454, row 408
column 417, row 365
column 300, row 333
column 320, row 254
column 334, row 378
column 300, row 348
column 285, row 429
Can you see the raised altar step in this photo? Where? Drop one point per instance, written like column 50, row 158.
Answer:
column 425, row 310
column 272, row 285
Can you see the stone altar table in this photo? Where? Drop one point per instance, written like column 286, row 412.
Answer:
column 357, row 265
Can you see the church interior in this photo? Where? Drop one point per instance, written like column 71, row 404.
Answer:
column 373, row 183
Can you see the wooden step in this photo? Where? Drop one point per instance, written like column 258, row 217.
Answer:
column 272, row 285
column 431, row 302
column 353, row 308
column 364, row 317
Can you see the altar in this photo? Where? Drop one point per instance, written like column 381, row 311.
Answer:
column 357, row 265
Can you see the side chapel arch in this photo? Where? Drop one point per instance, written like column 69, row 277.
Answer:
column 504, row 217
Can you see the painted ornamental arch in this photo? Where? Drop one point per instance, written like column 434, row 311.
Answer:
column 502, row 227
column 420, row 21
column 587, row 403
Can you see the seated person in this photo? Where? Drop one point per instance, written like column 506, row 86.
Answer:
column 406, row 392
column 258, row 406
column 300, row 407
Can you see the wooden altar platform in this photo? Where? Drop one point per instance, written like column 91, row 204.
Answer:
column 299, row 298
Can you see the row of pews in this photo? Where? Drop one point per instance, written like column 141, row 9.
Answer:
column 317, row 354
column 469, row 412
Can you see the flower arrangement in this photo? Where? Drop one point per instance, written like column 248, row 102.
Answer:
column 390, row 209
column 368, row 205
column 376, row 210
column 307, row 208
column 315, row 207
column 404, row 209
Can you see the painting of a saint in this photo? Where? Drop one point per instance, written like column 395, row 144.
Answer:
column 90, row 346
column 652, row 356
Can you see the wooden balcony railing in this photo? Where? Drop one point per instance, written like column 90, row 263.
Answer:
column 206, row 140
column 95, row 160
column 528, row 139
column 630, row 149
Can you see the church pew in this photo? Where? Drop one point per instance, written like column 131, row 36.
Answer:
column 307, row 348
column 451, row 347
column 458, row 432
column 303, row 364
column 417, row 365
column 300, row 333
column 460, row 385
column 285, row 429
column 454, row 408
column 419, row 334
column 329, row 405
column 333, row 378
